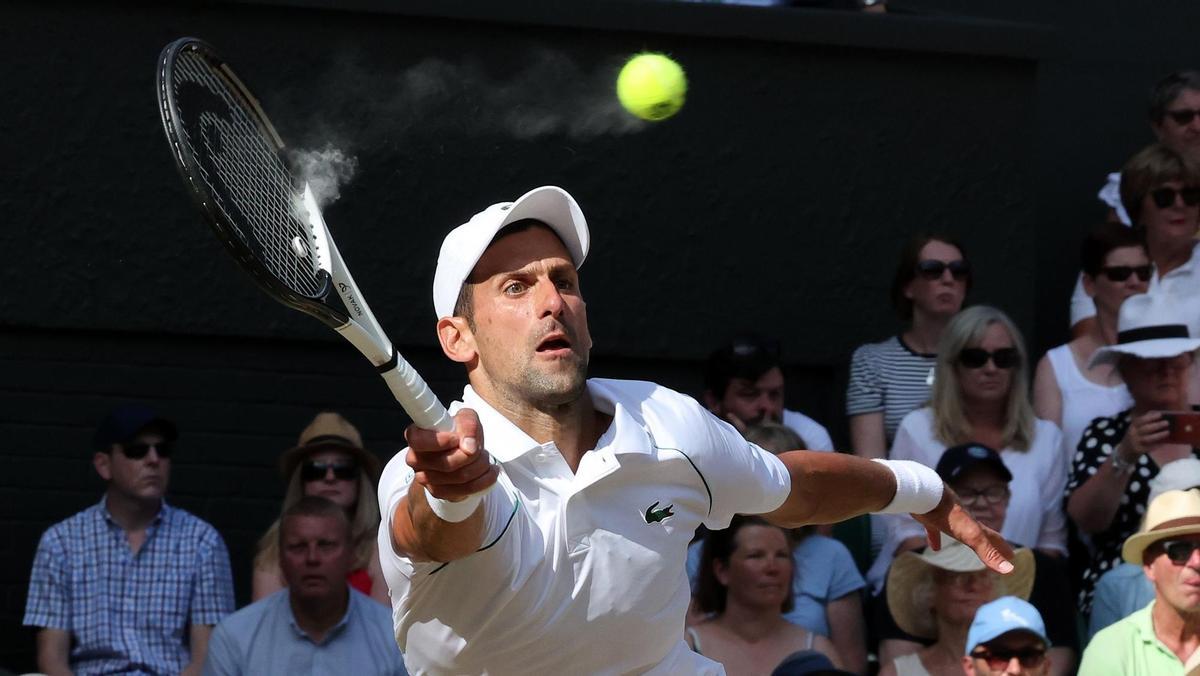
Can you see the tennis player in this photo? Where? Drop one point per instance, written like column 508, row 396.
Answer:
column 547, row 534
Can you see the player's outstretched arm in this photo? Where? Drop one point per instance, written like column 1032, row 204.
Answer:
column 831, row 487
column 452, row 467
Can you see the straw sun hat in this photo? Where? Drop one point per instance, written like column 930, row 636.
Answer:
column 910, row 581
column 329, row 431
column 1172, row 513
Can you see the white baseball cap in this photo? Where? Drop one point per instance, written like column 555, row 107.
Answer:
column 465, row 244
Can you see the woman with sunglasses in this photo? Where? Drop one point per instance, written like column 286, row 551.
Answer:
column 329, row 461
column 1160, row 189
column 980, row 395
column 891, row 378
column 1066, row 391
column 1118, row 456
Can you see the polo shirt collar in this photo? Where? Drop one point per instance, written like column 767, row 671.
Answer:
column 1144, row 622
column 506, row 442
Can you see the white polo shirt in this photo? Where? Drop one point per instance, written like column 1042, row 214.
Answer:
column 580, row 573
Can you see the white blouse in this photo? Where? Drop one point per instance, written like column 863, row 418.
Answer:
column 1035, row 515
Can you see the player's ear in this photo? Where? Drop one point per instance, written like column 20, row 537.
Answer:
column 103, row 463
column 457, row 339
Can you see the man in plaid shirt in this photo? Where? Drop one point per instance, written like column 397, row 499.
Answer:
column 131, row 584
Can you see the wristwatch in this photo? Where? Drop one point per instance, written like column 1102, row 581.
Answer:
column 1120, row 464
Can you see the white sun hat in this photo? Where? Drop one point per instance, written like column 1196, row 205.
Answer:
column 465, row 244
column 1151, row 326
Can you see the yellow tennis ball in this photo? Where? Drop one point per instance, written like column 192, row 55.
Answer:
column 651, row 86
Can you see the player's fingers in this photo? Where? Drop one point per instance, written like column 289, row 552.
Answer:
column 443, row 461
column 470, row 432
column 462, row 475
column 422, row 440
column 463, row 490
column 934, row 537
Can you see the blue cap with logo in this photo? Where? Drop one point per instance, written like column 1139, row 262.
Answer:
column 1005, row 614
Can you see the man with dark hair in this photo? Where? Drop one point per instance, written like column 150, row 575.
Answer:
column 743, row 384
column 130, row 584
column 566, row 553
column 318, row 623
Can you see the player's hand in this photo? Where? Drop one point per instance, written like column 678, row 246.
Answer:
column 451, row 465
column 949, row 517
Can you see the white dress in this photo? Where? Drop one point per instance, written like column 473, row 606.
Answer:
column 1082, row 400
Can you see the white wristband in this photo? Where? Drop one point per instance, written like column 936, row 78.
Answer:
column 918, row 488
column 454, row 512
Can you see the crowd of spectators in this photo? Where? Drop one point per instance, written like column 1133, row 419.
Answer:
column 1084, row 464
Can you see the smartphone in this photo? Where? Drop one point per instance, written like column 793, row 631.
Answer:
column 1183, row 427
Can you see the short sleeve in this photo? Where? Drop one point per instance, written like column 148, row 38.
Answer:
column 48, row 604
column 212, row 597
column 865, row 391
column 1082, row 305
column 1095, row 445
column 742, row 478
column 397, row 477
column 222, row 659
column 842, row 573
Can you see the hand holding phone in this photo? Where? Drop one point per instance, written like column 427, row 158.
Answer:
column 1183, row 427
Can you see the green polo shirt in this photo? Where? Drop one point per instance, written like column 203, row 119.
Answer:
column 1130, row 648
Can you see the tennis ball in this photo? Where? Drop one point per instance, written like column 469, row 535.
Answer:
column 651, row 86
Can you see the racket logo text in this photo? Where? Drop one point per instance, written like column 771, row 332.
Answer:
column 348, row 296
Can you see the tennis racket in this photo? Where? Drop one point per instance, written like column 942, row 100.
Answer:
column 232, row 162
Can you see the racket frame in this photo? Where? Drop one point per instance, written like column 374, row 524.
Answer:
column 356, row 323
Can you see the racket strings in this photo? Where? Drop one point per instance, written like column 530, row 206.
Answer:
column 252, row 188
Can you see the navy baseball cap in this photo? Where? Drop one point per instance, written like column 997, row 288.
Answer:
column 125, row 422
column 958, row 459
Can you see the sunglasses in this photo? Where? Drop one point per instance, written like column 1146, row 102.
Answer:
column 1179, row 551
column 977, row 357
column 998, row 658
column 1183, row 116
column 316, row 471
column 994, row 495
column 1120, row 273
column 934, row 269
column 1165, row 197
column 139, row 451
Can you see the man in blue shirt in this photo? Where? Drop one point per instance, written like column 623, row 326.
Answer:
column 129, row 585
column 318, row 624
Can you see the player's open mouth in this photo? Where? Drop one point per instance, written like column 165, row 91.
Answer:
column 554, row 343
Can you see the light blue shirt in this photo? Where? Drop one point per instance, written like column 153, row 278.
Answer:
column 263, row 638
column 1120, row 592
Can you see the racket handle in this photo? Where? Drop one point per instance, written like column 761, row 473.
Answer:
column 413, row 393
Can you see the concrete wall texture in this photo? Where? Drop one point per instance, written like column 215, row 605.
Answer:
column 812, row 144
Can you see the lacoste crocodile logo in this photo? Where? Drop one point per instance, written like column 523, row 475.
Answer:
column 655, row 515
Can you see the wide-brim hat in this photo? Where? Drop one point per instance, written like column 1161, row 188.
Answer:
column 1151, row 326
column 329, row 431
column 911, row 574
column 463, row 247
column 1170, row 514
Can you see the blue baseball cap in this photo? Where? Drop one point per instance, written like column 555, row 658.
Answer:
column 1005, row 614
column 124, row 423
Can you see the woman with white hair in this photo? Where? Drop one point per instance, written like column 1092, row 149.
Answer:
column 1118, row 456
column 981, row 395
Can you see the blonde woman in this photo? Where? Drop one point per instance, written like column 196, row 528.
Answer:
column 981, row 395
column 329, row 461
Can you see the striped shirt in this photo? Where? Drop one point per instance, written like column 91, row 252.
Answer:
column 888, row 377
column 126, row 612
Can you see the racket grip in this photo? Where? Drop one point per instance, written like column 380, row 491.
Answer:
column 413, row 393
